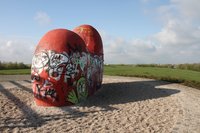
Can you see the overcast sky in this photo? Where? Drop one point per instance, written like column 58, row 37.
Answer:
column 133, row 31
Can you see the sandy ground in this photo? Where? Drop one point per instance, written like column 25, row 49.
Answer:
column 122, row 105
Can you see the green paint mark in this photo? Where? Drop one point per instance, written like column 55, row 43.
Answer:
column 82, row 89
column 72, row 97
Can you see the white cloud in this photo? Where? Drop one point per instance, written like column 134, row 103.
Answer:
column 188, row 8
column 16, row 49
column 177, row 42
column 117, row 50
column 42, row 18
column 180, row 36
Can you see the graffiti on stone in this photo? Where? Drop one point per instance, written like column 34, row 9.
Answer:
column 72, row 97
column 45, row 90
column 55, row 65
column 82, row 89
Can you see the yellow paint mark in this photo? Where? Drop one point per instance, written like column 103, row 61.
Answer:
column 86, row 31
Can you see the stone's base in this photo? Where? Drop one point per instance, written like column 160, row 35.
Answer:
column 46, row 103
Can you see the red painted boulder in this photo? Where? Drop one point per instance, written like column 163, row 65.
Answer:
column 64, row 70
column 94, row 45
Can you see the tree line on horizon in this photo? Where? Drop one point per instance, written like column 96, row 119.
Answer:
column 13, row 65
column 187, row 66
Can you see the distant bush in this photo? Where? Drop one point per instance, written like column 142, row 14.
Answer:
column 157, row 65
column 193, row 67
column 13, row 65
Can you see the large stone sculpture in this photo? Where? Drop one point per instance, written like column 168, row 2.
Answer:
column 67, row 66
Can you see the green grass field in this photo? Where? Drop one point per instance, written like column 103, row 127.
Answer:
column 187, row 77
column 15, row 72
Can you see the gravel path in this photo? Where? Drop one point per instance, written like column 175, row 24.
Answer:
column 122, row 105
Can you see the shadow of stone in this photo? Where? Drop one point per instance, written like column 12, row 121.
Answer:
column 38, row 121
column 120, row 93
column 22, row 87
column 30, row 117
column 109, row 94
column 28, row 81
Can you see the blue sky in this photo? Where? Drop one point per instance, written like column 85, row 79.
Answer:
column 126, row 19
column 135, row 31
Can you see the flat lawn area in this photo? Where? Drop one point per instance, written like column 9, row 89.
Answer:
column 187, row 77
column 15, row 72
